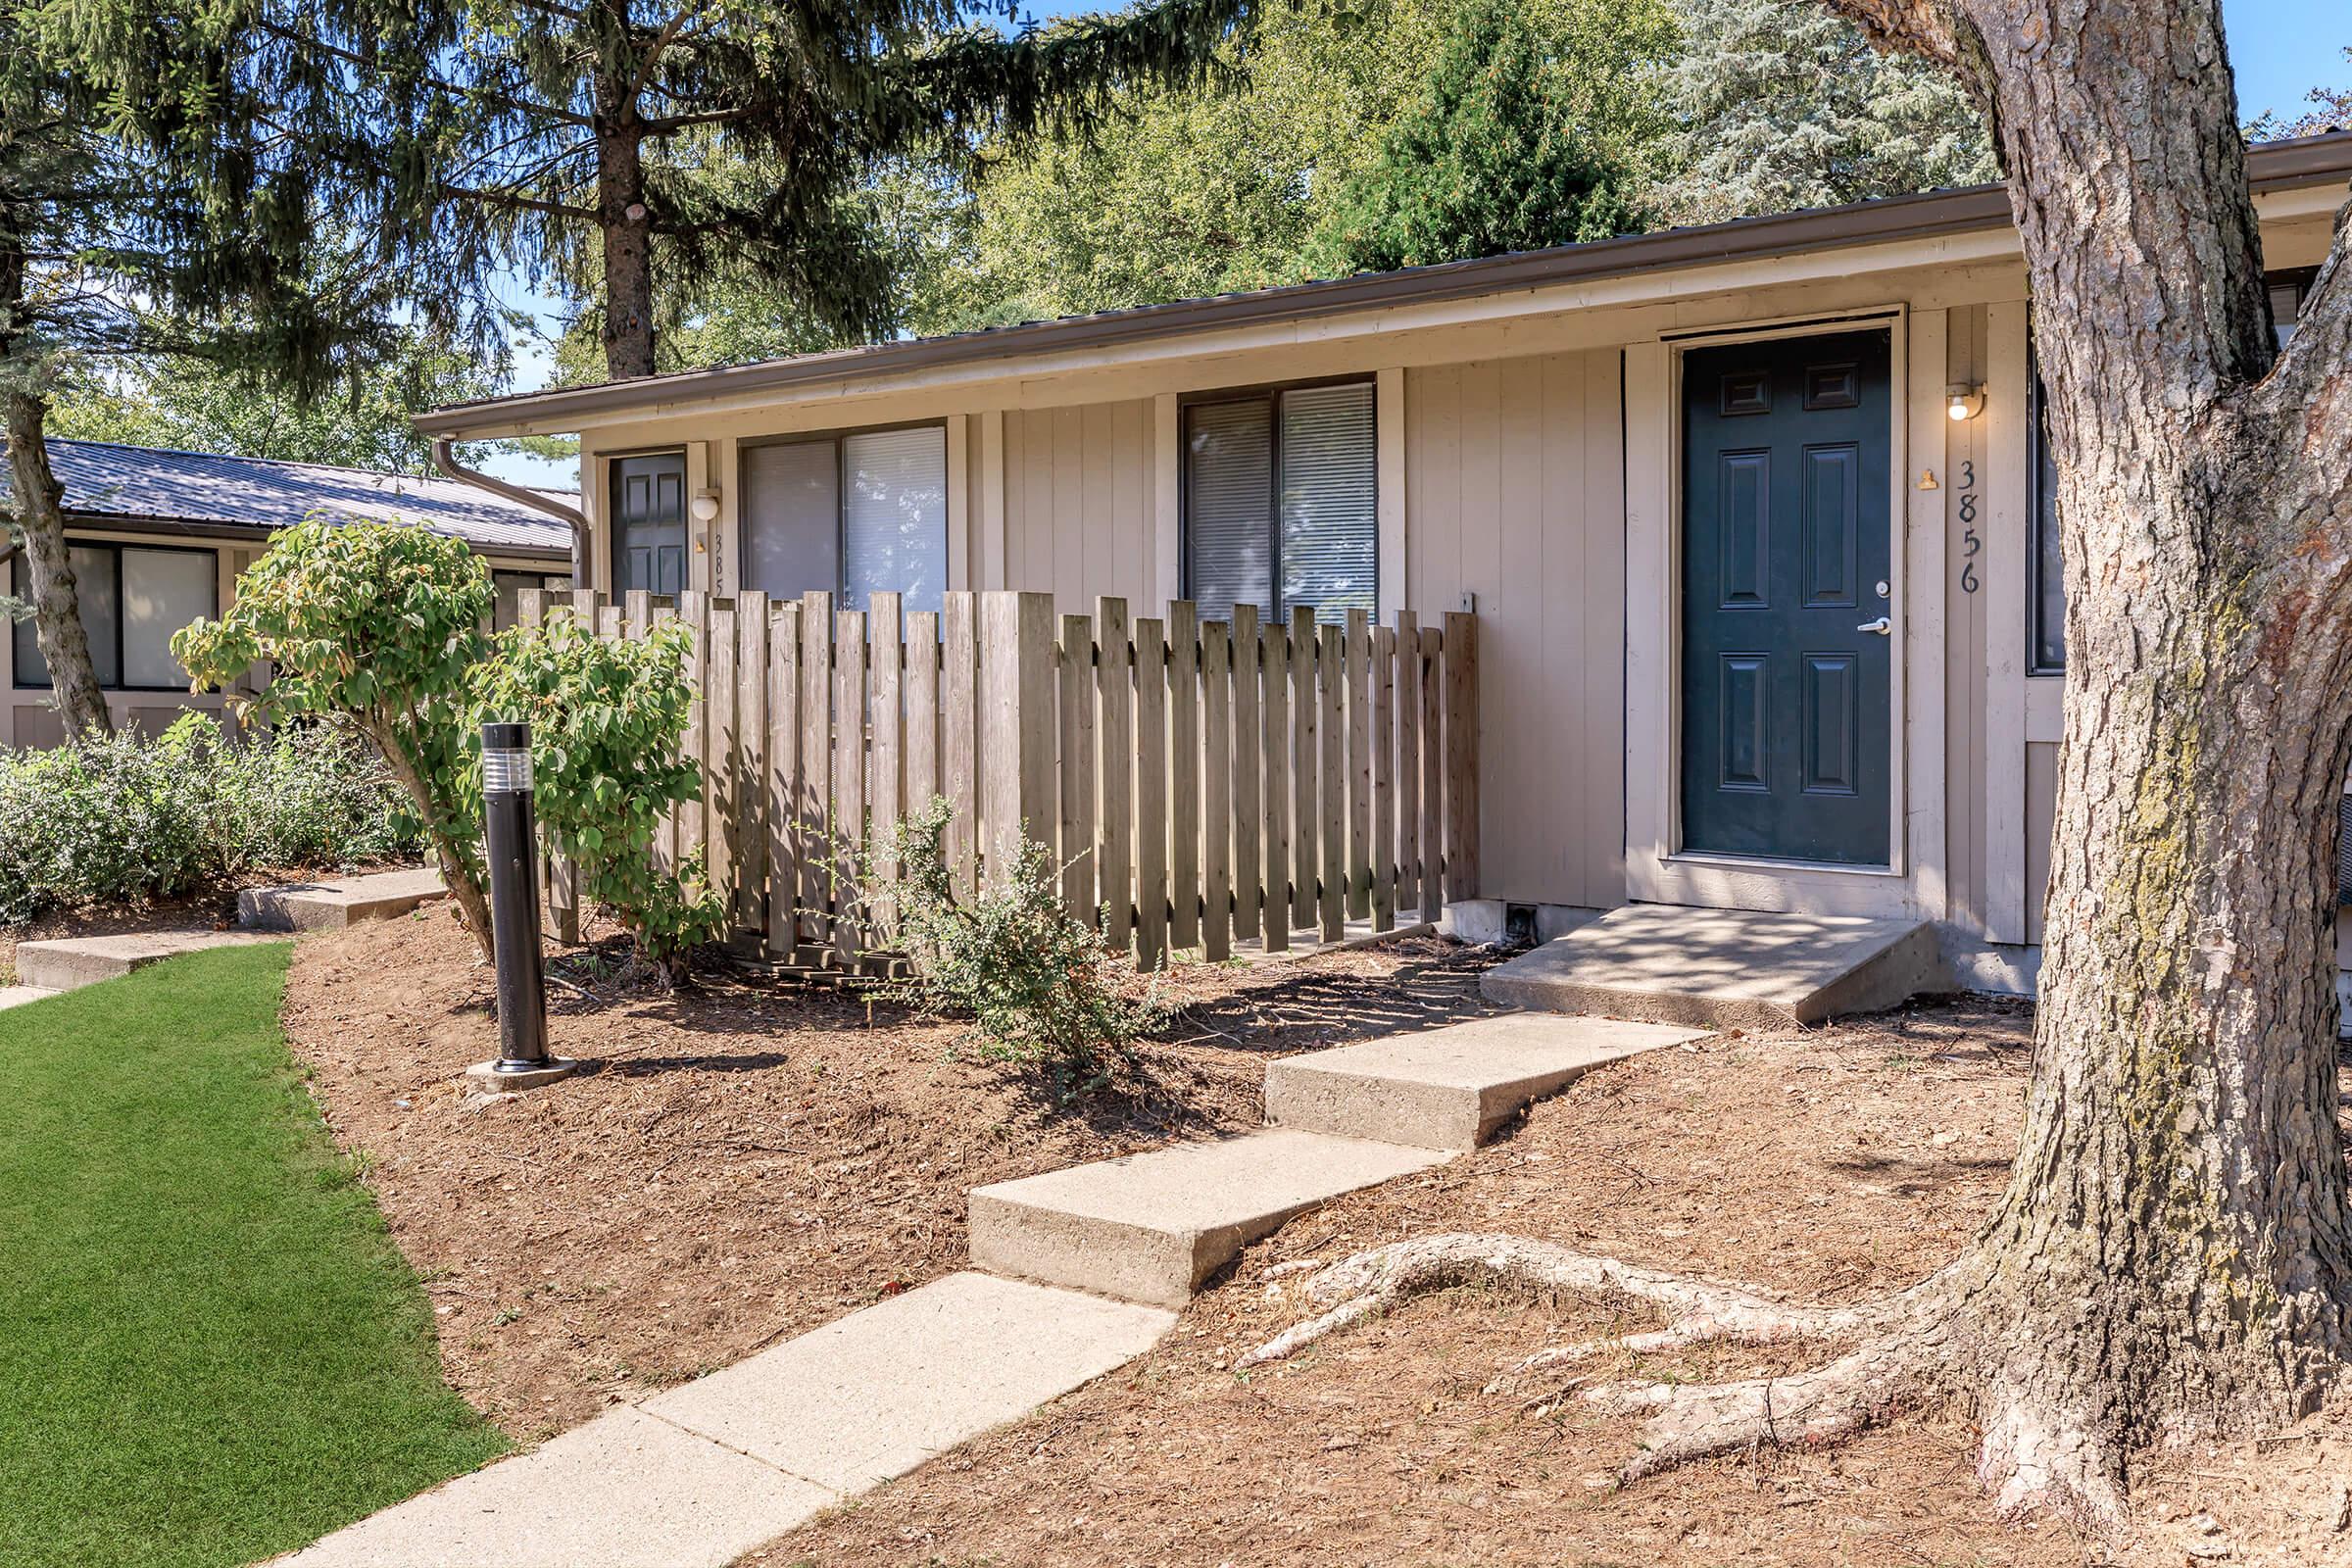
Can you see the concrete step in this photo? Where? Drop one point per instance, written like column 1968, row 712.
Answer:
column 1451, row 1088
column 1723, row 969
column 17, row 996
column 72, row 962
column 333, row 905
column 695, row 1477
column 1155, row 1227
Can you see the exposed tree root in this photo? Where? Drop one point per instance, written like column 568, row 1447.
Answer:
column 1703, row 1310
column 1906, row 1350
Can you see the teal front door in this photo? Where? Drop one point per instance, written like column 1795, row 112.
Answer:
column 1787, row 661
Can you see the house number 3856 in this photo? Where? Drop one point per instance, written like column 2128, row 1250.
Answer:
column 1970, row 543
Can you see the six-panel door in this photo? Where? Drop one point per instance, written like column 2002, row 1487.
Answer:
column 1787, row 566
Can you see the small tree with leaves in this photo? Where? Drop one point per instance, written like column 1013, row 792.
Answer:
column 382, row 624
column 607, row 721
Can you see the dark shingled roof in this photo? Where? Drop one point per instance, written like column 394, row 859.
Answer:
column 208, row 492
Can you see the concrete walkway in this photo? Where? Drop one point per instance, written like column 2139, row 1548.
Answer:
column 68, row 963
column 706, row 1471
column 698, row 1475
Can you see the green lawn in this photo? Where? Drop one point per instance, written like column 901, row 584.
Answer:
column 210, row 1351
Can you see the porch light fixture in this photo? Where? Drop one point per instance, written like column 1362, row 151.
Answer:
column 704, row 505
column 1963, row 401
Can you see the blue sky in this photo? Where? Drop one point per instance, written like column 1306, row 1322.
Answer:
column 2280, row 49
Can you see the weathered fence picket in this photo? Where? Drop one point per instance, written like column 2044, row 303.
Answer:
column 1201, row 783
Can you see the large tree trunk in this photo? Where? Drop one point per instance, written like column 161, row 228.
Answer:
column 56, row 603
column 627, row 231
column 2172, row 1258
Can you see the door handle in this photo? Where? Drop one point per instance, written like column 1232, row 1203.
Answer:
column 1881, row 626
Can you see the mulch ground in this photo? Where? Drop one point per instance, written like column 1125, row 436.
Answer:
column 1832, row 1164
column 742, row 1162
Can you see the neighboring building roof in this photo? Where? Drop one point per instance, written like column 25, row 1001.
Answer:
column 209, row 492
column 2272, row 166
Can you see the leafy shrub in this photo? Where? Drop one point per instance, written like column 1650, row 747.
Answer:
column 117, row 818
column 608, row 737
column 381, row 625
column 1039, row 983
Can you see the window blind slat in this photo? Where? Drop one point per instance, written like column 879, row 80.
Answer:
column 163, row 590
column 1229, row 487
column 894, row 533
column 791, row 509
column 1329, row 514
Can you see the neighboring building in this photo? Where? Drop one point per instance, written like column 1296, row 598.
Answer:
column 159, row 538
column 1754, row 518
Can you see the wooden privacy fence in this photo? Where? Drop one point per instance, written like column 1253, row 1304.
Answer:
column 1201, row 783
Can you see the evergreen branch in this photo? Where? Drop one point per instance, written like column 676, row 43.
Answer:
column 651, row 61
column 515, row 201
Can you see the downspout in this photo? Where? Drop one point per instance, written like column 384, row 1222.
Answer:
column 453, row 468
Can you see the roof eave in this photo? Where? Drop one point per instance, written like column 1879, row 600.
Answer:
column 2274, row 166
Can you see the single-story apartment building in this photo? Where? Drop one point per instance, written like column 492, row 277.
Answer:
column 1755, row 519
column 160, row 537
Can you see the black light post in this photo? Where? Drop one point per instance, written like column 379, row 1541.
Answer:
column 510, row 831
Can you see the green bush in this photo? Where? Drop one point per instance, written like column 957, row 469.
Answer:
column 380, row 626
column 608, row 757
column 119, row 818
column 1038, row 982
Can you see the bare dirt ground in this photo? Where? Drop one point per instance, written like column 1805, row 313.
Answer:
column 1830, row 1164
column 743, row 1162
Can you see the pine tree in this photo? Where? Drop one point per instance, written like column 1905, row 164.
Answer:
column 174, row 184
column 616, row 144
column 1777, row 105
column 1501, row 154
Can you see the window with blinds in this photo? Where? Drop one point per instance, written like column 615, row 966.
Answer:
column 853, row 515
column 1281, row 501
column 131, row 600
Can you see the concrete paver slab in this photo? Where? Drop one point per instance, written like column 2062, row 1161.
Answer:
column 1451, row 1088
column 876, row 1393
column 1723, row 969
column 626, row 1491
column 70, row 962
column 343, row 901
column 1153, row 1227
column 17, row 996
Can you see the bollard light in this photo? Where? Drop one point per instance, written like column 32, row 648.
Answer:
column 509, row 834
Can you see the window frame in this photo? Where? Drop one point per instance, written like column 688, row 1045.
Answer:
column 114, row 549
column 1271, row 393
column 840, row 437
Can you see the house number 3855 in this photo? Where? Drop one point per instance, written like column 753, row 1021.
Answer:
column 1970, row 543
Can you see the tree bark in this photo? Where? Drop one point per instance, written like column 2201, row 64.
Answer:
column 626, row 226
column 2172, row 1256
column 56, row 601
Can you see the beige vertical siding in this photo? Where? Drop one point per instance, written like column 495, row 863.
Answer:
column 1077, row 501
column 2041, row 821
column 1964, row 641
column 1515, row 495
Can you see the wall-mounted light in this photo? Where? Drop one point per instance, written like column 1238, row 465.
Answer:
column 704, row 505
column 1964, row 401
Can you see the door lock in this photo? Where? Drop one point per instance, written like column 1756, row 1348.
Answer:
column 1882, row 627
